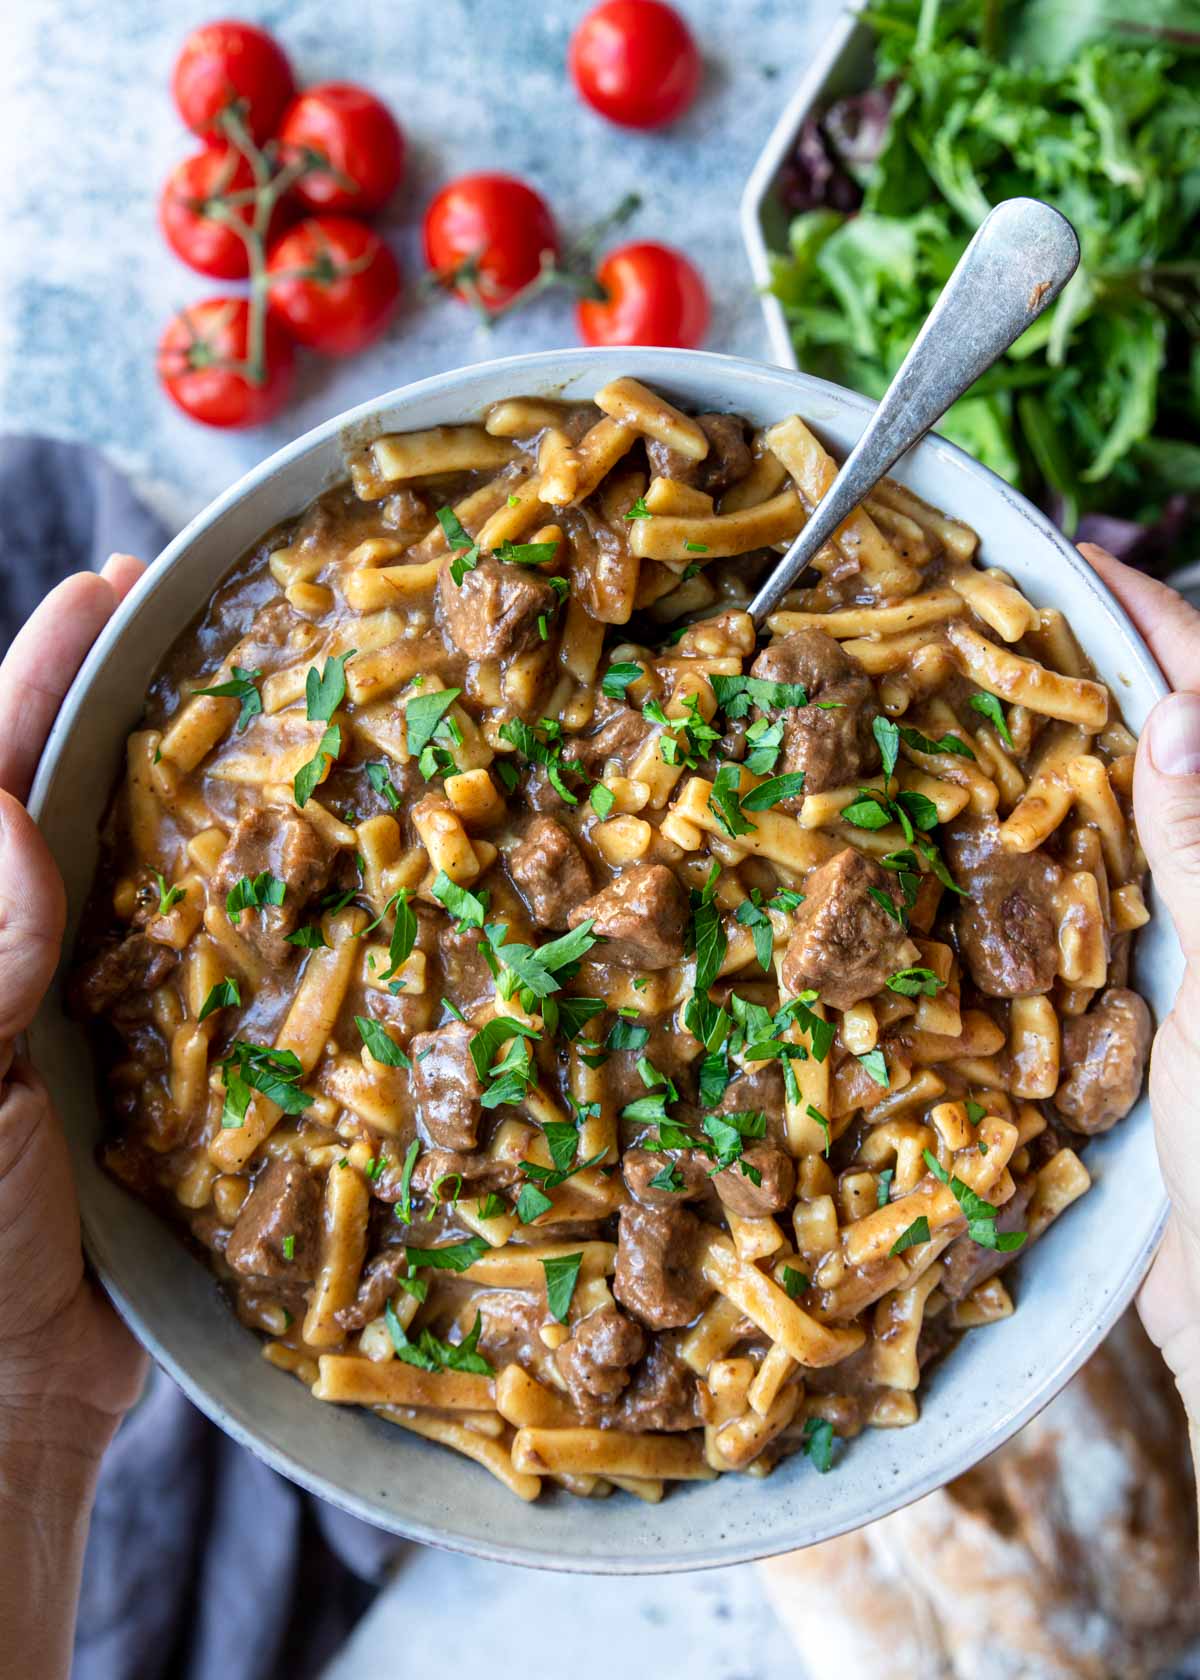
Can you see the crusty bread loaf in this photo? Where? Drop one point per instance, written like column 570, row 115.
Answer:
column 1070, row 1554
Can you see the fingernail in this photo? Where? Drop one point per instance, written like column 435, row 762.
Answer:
column 1173, row 735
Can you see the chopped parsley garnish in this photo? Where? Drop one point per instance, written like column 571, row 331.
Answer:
column 460, row 543
column 736, row 695
column 404, row 931
column 451, row 1257
column 915, row 982
column 750, row 914
column 380, row 1043
column 887, row 736
column 381, row 781
column 469, row 909
column 562, row 1274
column 815, row 1114
column 990, row 708
column 980, row 1214
column 883, row 1189
column 168, row 897
column 289, row 1247
column 308, row 938
column 242, row 688
column 947, row 743
column 772, row 792
column 794, row 1282
column 602, row 800
column 526, row 554
column 258, row 1067
column 875, row 1064
column 309, row 775
column 403, row 1208
column 324, row 692
column 639, row 510
column 509, row 1079
column 696, row 548
column 224, row 995
column 492, row 1207
column 975, row 1111
column 627, row 1035
column 428, row 1353
column 818, row 1442
column 423, row 715
column 707, row 934
column 917, row 1232
column 668, row 1178
column 618, row 677
column 685, row 740
column 765, row 740
column 725, row 803
column 535, row 971
column 875, row 810
column 544, row 746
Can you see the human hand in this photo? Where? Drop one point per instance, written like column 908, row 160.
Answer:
column 68, row 1367
column 1166, row 798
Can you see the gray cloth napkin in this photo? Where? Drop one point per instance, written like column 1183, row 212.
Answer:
column 202, row 1564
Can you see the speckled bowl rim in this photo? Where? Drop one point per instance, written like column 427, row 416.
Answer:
column 691, row 1528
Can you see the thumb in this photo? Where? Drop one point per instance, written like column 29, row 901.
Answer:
column 32, row 916
column 1166, row 795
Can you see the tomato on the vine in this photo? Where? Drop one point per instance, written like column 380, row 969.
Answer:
column 635, row 62
column 196, row 221
column 334, row 284
column 486, row 237
column 203, row 364
column 653, row 295
column 226, row 62
column 358, row 136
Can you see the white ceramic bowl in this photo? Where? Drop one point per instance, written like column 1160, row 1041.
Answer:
column 1070, row 1289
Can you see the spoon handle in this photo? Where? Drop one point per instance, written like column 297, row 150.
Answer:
column 1020, row 259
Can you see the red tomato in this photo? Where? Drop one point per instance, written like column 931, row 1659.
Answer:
column 226, row 61
column 496, row 228
column 357, row 135
column 654, row 296
column 635, row 62
column 199, row 359
column 335, row 284
column 189, row 211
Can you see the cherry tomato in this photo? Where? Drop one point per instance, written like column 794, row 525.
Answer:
column 226, row 61
column 359, row 137
column 492, row 230
column 334, row 285
column 635, row 62
column 190, row 211
column 654, row 296
column 198, row 359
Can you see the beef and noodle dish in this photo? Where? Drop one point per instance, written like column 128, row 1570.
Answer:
column 610, row 1046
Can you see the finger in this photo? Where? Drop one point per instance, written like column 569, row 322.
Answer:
column 1166, row 803
column 40, row 667
column 1169, row 626
column 32, row 914
column 122, row 571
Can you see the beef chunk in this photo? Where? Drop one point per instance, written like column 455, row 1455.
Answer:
column 494, row 612
column 671, row 1052
column 642, row 914
column 727, row 461
column 966, row 1263
column 446, row 1086
column 777, row 1180
column 122, row 974
column 639, row 1166
column 845, row 944
column 380, row 1280
column 658, row 1275
column 832, row 746
column 468, row 979
column 662, row 1394
column 550, row 873
column 286, row 845
column 285, row 1202
column 1007, row 929
column 1104, row 1053
column 595, row 1361
column 759, row 1090
column 479, row 1171
column 618, row 737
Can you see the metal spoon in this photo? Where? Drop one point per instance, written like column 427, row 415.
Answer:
column 1018, row 262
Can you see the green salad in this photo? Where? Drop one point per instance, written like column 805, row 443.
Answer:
column 1093, row 107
